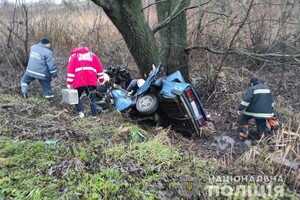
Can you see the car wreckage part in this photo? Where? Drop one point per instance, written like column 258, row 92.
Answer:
column 199, row 113
column 147, row 104
column 190, row 115
column 194, row 110
column 176, row 114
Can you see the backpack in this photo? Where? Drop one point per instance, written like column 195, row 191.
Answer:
column 272, row 124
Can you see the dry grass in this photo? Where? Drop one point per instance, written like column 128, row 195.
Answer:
column 281, row 155
column 208, row 130
column 66, row 26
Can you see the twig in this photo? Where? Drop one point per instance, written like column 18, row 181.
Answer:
column 211, row 96
column 61, row 112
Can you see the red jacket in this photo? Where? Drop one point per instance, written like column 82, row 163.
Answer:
column 84, row 68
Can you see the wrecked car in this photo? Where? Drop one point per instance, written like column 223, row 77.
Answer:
column 169, row 100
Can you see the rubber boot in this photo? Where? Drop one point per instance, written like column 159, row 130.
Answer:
column 245, row 132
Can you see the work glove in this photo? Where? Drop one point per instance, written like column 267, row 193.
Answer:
column 69, row 86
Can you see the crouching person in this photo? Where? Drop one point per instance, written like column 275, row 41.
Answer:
column 257, row 104
column 84, row 72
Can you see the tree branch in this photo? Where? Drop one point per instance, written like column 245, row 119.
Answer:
column 102, row 3
column 218, row 69
column 174, row 14
column 151, row 4
column 240, row 27
column 11, row 31
column 237, row 51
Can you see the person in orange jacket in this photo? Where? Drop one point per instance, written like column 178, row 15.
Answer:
column 84, row 72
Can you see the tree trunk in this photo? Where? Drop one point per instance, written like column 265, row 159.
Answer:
column 128, row 17
column 173, row 38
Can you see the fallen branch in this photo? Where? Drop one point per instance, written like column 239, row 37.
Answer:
column 61, row 112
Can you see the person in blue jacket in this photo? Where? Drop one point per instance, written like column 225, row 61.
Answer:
column 41, row 66
column 258, row 104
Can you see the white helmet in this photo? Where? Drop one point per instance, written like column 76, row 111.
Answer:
column 106, row 77
column 140, row 82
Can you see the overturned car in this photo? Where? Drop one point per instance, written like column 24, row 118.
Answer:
column 168, row 100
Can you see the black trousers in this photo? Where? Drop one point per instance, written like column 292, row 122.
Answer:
column 260, row 123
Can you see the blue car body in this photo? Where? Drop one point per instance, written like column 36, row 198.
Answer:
column 122, row 100
column 178, row 103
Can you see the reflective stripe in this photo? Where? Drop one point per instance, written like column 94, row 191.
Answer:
column 50, row 96
column 100, row 74
column 71, row 75
column 24, row 84
column 260, row 91
column 244, row 103
column 70, row 79
column 85, row 68
column 262, row 115
column 36, row 73
column 52, row 71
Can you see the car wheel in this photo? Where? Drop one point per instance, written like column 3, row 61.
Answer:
column 147, row 104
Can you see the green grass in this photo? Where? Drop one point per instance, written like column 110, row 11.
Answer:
column 91, row 160
column 123, row 170
column 24, row 168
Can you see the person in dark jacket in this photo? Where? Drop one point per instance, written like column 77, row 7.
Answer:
column 258, row 104
column 41, row 66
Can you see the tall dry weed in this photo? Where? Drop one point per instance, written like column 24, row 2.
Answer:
column 279, row 156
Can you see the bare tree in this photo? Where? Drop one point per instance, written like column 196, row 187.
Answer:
column 17, row 31
column 128, row 17
column 261, row 32
column 217, row 31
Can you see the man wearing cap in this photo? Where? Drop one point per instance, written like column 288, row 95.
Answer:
column 41, row 66
column 258, row 104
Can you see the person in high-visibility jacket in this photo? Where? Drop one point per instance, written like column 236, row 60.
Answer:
column 258, row 104
column 41, row 66
column 84, row 72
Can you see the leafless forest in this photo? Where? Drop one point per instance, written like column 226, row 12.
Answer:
column 227, row 43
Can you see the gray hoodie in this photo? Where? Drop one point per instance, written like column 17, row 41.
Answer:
column 41, row 63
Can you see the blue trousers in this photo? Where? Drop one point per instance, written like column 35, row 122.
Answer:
column 91, row 93
column 45, row 84
column 133, row 86
column 260, row 123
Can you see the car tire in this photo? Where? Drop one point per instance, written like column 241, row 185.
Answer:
column 147, row 104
